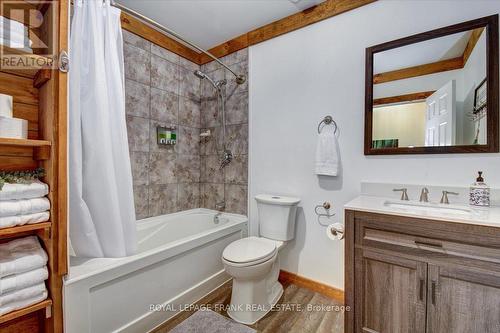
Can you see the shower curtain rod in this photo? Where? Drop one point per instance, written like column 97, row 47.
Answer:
column 240, row 78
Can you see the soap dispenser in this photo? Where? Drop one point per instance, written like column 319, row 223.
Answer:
column 479, row 192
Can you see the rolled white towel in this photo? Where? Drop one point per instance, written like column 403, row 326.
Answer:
column 22, row 303
column 35, row 189
column 12, row 221
column 22, row 294
column 23, row 206
column 21, row 255
column 24, row 280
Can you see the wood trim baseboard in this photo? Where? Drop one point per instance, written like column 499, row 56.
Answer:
column 329, row 291
column 324, row 10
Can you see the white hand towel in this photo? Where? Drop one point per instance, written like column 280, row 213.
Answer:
column 24, row 280
column 327, row 156
column 35, row 189
column 22, row 303
column 23, row 206
column 12, row 221
column 21, row 255
column 22, row 294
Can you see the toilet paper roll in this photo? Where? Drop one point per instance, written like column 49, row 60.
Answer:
column 14, row 128
column 5, row 106
column 335, row 231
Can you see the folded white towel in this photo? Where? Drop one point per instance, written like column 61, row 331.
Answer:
column 22, row 294
column 23, row 206
column 22, row 303
column 327, row 156
column 12, row 221
column 15, row 282
column 21, row 255
column 35, row 189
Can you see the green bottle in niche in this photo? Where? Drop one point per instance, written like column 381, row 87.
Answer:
column 479, row 192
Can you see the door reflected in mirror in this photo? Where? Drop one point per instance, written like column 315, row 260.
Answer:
column 433, row 92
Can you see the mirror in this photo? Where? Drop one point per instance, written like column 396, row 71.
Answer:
column 435, row 92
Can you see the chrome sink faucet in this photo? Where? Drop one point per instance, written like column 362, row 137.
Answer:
column 220, row 206
column 444, row 198
column 404, row 193
column 424, row 195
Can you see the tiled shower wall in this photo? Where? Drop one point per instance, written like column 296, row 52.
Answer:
column 162, row 90
column 231, row 183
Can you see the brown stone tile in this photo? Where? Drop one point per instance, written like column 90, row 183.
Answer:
column 162, row 166
column 137, row 64
column 141, row 202
column 188, row 141
column 140, row 167
column 212, row 194
column 164, row 53
column 237, row 139
column 236, row 199
column 189, row 112
column 137, row 99
column 138, row 133
column 189, row 85
column 164, row 75
column 188, row 196
column 164, row 106
column 237, row 109
column 210, row 169
column 188, row 168
column 137, row 41
column 236, row 172
column 162, row 199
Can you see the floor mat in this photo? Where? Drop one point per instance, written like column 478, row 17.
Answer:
column 207, row 321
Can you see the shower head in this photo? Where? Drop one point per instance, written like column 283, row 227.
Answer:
column 200, row 74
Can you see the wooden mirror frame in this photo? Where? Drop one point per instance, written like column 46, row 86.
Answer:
column 492, row 146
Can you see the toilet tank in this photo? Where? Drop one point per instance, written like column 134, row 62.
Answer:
column 277, row 216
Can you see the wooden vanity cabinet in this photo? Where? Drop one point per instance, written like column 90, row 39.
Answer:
column 408, row 275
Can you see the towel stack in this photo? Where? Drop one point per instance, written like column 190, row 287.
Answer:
column 24, row 204
column 14, row 35
column 23, row 270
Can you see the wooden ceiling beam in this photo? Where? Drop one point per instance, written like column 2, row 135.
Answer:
column 403, row 98
column 409, row 72
column 474, row 37
column 137, row 27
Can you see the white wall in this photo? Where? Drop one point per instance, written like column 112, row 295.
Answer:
column 297, row 79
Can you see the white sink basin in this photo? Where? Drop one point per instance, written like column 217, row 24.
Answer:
column 430, row 208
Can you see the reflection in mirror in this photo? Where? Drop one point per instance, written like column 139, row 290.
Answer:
column 431, row 93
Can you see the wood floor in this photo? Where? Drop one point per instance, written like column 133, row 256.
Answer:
column 320, row 319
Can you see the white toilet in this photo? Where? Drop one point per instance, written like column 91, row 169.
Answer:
column 253, row 262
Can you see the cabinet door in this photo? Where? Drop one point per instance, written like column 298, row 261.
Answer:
column 390, row 293
column 463, row 300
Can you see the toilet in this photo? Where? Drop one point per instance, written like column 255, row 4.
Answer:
column 253, row 262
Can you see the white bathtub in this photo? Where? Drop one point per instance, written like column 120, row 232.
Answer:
column 178, row 262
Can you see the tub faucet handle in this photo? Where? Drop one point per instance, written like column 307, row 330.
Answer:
column 424, row 195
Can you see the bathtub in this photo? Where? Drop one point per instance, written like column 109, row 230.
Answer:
column 178, row 262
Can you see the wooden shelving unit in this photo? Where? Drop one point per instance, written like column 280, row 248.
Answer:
column 7, row 232
column 24, row 142
column 40, row 96
column 46, row 304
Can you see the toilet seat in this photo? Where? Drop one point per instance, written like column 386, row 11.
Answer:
column 249, row 251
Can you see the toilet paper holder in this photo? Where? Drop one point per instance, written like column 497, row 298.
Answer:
column 326, row 206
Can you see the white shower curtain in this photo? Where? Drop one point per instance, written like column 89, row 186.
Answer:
column 101, row 202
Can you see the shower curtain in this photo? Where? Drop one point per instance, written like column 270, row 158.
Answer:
column 101, row 202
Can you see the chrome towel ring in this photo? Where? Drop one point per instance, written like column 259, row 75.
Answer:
column 328, row 120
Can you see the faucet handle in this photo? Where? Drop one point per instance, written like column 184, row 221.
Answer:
column 404, row 193
column 444, row 198
column 424, row 195
column 220, row 205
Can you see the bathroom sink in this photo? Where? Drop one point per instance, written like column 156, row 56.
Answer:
column 430, row 208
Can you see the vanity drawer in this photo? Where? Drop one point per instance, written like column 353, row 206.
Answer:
column 381, row 238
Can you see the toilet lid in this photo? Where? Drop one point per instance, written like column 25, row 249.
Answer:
column 249, row 249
